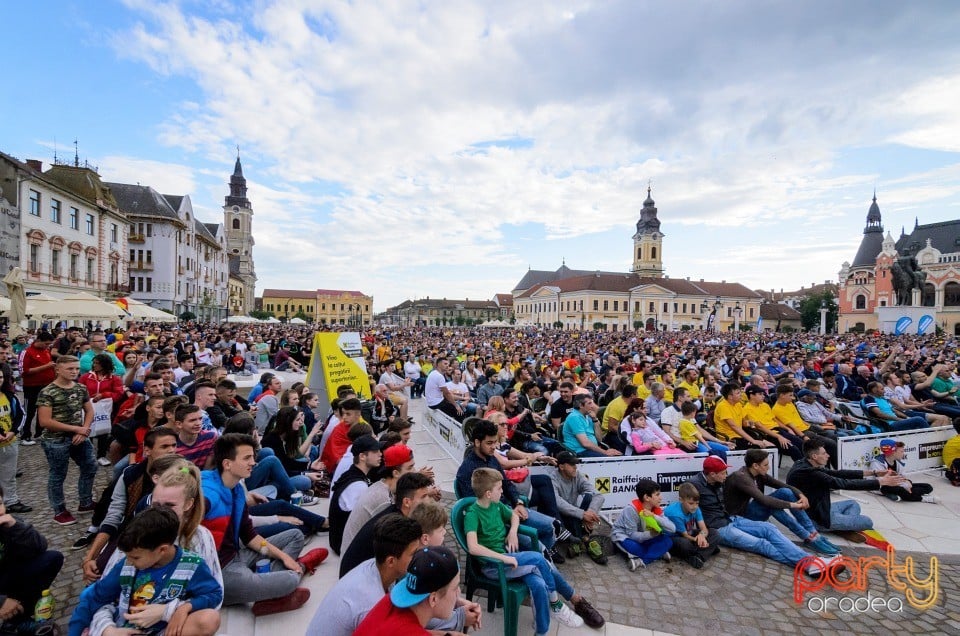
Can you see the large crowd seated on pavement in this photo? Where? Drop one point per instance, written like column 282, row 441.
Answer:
column 210, row 499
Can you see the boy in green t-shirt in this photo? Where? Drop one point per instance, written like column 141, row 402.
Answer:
column 486, row 523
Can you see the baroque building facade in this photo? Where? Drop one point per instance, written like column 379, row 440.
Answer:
column 866, row 283
column 644, row 298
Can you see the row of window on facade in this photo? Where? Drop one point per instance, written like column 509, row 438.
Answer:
column 928, row 298
column 309, row 308
column 73, row 217
column 652, row 308
column 74, row 264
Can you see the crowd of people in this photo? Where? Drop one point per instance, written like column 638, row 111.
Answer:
column 210, row 498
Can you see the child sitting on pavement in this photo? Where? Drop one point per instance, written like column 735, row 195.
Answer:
column 891, row 461
column 692, row 540
column 27, row 568
column 158, row 586
column 486, row 524
column 642, row 530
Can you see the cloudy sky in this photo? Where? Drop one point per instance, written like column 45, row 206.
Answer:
column 440, row 148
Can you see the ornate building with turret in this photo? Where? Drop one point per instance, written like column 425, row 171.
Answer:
column 238, row 226
column 866, row 284
column 648, row 242
column 644, row 298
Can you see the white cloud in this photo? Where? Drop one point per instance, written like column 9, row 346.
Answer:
column 739, row 114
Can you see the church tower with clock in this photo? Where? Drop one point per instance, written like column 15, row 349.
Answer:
column 238, row 227
column 648, row 242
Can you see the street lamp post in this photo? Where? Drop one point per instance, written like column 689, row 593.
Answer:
column 737, row 311
column 823, row 317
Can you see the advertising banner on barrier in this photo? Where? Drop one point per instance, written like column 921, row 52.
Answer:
column 616, row 477
column 923, row 449
column 446, row 432
column 337, row 358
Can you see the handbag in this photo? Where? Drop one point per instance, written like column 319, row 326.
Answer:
column 517, row 475
column 102, row 412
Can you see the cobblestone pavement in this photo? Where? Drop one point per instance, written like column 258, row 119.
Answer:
column 743, row 594
column 736, row 593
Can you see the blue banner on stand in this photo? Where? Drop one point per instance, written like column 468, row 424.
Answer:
column 902, row 324
column 924, row 323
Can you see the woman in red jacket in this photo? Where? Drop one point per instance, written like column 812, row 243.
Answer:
column 103, row 384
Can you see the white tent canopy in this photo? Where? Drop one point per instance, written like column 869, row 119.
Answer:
column 84, row 305
column 244, row 319
column 144, row 312
column 293, row 321
column 496, row 323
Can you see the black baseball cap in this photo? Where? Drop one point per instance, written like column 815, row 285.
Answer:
column 566, row 457
column 431, row 569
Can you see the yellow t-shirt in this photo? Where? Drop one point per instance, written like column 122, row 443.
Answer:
column 614, row 413
column 789, row 414
column 692, row 389
column 637, row 379
column 688, row 431
column 951, row 450
column 759, row 413
column 6, row 419
column 643, row 392
column 668, row 394
column 727, row 411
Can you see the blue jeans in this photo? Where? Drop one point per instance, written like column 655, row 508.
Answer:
column 590, row 453
column 543, row 524
column 542, row 578
column 546, row 445
column 269, row 470
column 797, row 521
column 845, row 515
column 311, row 522
column 909, row 424
column 649, row 550
column 714, row 448
column 760, row 538
column 59, row 454
column 122, row 463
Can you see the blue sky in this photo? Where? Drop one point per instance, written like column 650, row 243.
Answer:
column 410, row 148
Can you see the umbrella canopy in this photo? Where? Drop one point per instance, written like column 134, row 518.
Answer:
column 272, row 319
column 84, row 305
column 144, row 312
column 18, row 300
column 241, row 319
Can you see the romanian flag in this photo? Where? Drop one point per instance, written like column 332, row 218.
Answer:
column 122, row 304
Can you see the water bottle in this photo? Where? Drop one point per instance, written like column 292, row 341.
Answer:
column 263, row 563
column 44, row 608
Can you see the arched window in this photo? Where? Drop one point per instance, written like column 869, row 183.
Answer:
column 951, row 294
column 639, row 253
column 929, row 295
column 861, row 301
column 653, row 252
column 236, row 224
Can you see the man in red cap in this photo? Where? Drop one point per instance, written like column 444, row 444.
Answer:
column 759, row 537
column 397, row 460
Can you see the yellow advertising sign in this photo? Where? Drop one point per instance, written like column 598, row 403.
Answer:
column 337, row 359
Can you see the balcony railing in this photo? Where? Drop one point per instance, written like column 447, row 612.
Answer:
column 135, row 238
column 148, row 265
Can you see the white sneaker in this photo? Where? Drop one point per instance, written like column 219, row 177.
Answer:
column 667, row 557
column 28, row 442
column 930, row 499
column 635, row 563
column 814, row 570
column 566, row 616
column 103, row 461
